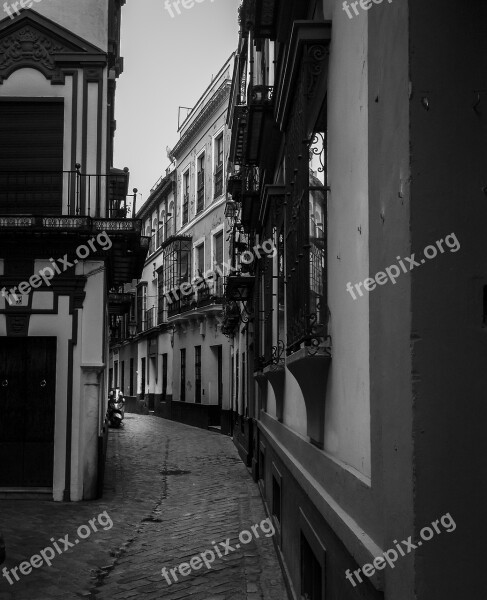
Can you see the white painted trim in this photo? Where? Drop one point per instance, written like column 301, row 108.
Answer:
column 205, row 197
column 220, row 131
column 197, row 244
column 202, row 215
column 214, row 232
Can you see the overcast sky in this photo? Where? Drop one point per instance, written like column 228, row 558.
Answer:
column 168, row 62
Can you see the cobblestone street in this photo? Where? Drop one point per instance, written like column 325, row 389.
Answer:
column 172, row 492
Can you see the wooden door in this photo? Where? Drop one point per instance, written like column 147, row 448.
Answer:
column 27, row 405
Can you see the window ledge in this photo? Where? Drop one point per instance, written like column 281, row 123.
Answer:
column 311, row 372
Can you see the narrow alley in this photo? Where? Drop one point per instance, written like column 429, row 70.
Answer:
column 172, row 492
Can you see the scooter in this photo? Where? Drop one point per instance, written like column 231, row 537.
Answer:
column 116, row 407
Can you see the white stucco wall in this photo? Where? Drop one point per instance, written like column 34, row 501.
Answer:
column 347, row 413
column 86, row 18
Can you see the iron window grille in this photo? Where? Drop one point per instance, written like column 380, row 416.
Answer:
column 176, row 272
column 305, row 236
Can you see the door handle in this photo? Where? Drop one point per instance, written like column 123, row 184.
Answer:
column 5, row 383
column 43, row 383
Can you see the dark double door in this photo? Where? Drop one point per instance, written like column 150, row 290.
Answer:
column 27, row 404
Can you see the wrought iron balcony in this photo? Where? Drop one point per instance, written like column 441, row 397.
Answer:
column 260, row 95
column 67, row 193
column 199, row 298
column 259, row 16
column 119, row 303
column 234, row 185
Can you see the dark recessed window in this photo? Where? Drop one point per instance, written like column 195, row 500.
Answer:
column 262, row 465
column 276, row 499
column 311, row 573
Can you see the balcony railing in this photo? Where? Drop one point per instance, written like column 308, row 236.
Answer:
column 260, row 95
column 64, row 193
column 198, row 297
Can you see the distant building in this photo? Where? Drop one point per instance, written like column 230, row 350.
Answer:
column 66, row 240
column 183, row 358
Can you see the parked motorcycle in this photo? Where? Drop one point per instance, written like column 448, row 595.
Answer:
column 116, row 407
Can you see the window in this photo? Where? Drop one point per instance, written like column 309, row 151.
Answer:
column 142, row 307
column 311, row 575
column 154, row 236
column 176, row 272
column 261, row 465
column 237, row 365
column 219, row 166
column 183, row 376
column 218, row 262
column 276, row 498
column 220, row 376
column 161, row 306
column 185, row 197
column 170, row 221
column 32, row 143
column 142, row 383
column 197, row 374
column 160, row 232
column 122, row 377
column 245, row 409
column 200, row 260
column 305, row 236
column 164, row 376
column 200, row 205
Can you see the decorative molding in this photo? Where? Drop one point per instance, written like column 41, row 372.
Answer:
column 33, row 41
column 218, row 98
column 18, row 324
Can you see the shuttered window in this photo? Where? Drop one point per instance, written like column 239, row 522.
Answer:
column 31, row 157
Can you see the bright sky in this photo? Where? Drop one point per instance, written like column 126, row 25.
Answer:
column 168, row 62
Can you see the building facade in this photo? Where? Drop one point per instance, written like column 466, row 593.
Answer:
column 350, row 417
column 65, row 242
column 182, row 356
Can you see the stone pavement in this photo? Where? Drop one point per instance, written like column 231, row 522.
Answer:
column 172, row 492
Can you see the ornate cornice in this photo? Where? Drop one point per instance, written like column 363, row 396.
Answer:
column 222, row 94
column 34, row 41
